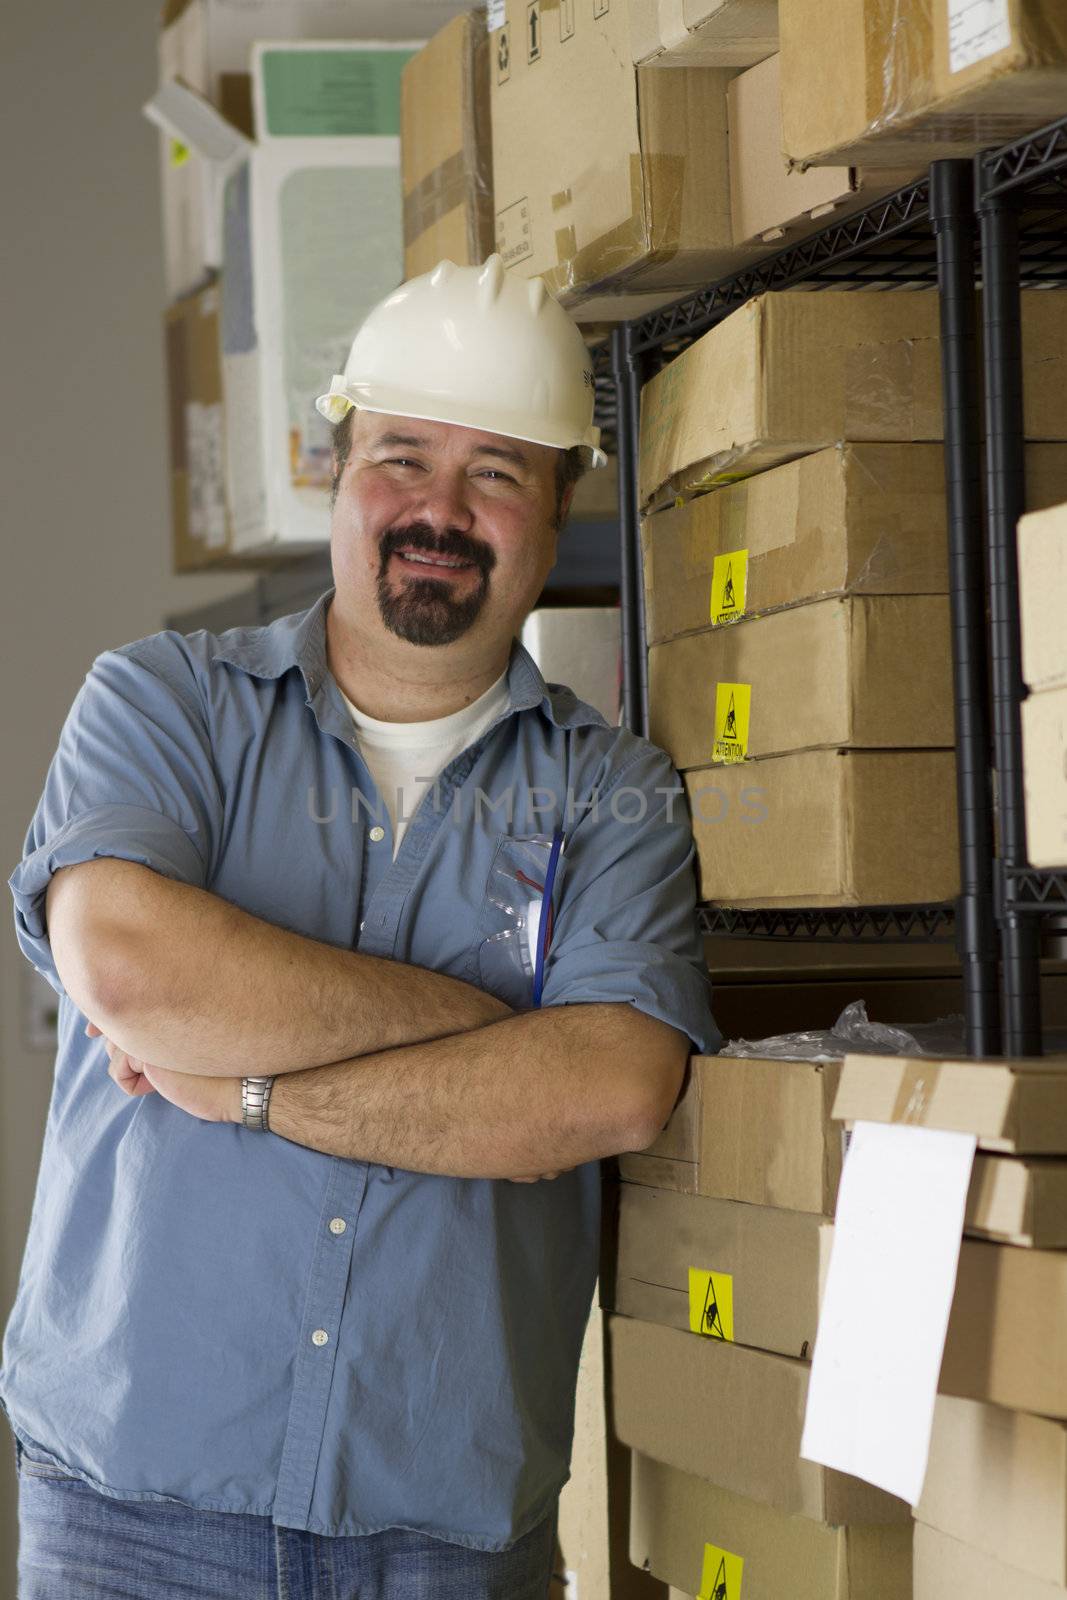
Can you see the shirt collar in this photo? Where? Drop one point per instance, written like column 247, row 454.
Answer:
column 299, row 640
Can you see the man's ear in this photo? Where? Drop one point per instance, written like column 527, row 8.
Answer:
column 565, row 504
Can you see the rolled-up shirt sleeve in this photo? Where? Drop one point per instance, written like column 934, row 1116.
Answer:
column 625, row 925
column 132, row 777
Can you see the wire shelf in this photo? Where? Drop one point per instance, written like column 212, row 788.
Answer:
column 884, row 924
column 1035, row 889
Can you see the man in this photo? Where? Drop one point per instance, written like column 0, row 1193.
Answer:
column 363, row 881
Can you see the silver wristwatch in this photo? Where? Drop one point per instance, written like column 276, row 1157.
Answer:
column 255, row 1098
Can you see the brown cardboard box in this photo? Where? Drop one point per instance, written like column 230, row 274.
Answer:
column 733, row 1416
column 1018, row 1202
column 703, row 33
column 446, row 154
column 200, row 523
column 827, row 828
column 766, row 1261
column 1015, row 1107
column 1044, row 726
column 677, row 1519
column 997, row 1480
column 1007, row 1332
column 790, row 372
column 756, row 1131
column 847, row 672
column 768, row 198
column 851, row 519
column 610, row 182
column 1042, row 539
column 879, row 82
column 946, row 1568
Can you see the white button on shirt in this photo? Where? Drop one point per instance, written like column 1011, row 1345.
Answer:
column 377, row 834
column 338, row 1225
column 320, row 1336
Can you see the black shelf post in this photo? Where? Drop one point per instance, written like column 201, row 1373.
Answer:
column 1005, row 502
column 627, row 370
column 952, row 217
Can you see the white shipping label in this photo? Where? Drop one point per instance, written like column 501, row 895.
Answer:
column 495, row 14
column 885, row 1307
column 976, row 29
column 206, row 478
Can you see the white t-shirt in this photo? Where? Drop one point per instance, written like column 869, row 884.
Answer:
column 405, row 757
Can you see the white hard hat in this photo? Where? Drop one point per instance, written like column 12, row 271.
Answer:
column 474, row 347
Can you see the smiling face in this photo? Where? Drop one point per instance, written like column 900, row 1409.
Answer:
column 441, row 534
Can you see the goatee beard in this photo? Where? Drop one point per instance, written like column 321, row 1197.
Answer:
column 423, row 610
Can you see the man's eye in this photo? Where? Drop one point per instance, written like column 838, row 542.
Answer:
column 400, row 461
column 494, row 472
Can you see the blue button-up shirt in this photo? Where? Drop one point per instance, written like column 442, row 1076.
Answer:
column 233, row 1321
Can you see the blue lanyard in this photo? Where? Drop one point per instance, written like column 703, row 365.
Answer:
column 546, row 914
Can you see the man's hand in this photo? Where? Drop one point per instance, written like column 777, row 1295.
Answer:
column 212, row 1099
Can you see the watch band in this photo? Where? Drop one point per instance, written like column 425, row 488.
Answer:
column 255, row 1098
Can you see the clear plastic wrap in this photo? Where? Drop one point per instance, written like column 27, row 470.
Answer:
column 854, row 1032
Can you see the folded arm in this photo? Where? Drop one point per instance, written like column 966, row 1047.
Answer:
column 541, row 1090
column 173, row 974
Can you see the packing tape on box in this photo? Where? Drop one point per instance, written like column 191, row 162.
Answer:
column 625, row 251
column 449, row 185
column 917, row 1086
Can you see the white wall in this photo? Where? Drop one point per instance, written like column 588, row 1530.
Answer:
column 84, row 559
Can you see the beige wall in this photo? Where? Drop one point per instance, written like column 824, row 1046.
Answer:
column 84, row 562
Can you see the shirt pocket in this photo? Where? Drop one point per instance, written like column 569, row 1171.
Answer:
column 511, row 917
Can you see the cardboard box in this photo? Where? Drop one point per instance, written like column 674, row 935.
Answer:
column 851, row 519
column 944, row 1567
column 1018, row 1202
column 764, row 1265
column 997, row 1480
column 200, row 527
column 754, row 1130
column 878, row 83
column 769, row 199
column 1044, row 728
column 687, row 1531
column 1042, row 542
column 611, row 182
column 206, row 45
column 732, row 1416
column 446, row 149
column 827, row 828
column 790, row 372
column 847, row 672
column 1015, row 1107
column 1007, row 1331
column 703, row 33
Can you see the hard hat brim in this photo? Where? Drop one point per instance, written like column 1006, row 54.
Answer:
column 427, row 408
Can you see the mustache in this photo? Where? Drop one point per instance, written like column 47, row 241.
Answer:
column 450, row 542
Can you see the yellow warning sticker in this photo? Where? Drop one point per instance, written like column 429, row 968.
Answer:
column 729, row 575
column 179, row 153
column 711, row 1304
column 732, row 702
column 721, row 1574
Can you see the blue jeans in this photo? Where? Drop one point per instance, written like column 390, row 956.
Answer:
column 77, row 1544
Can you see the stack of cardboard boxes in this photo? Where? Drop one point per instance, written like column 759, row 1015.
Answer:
column 795, row 570
column 992, row 1520
column 712, row 1285
column 1043, row 607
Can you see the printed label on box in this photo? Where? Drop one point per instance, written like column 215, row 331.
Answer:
column 533, row 31
column 496, row 13
column 729, row 575
column 503, row 56
column 566, row 20
column 721, row 1574
column 976, row 29
column 711, row 1304
column 513, row 232
column 732, row 703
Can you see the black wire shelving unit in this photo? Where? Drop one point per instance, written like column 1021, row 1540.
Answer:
column 925, row 235
column 1021, row 193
